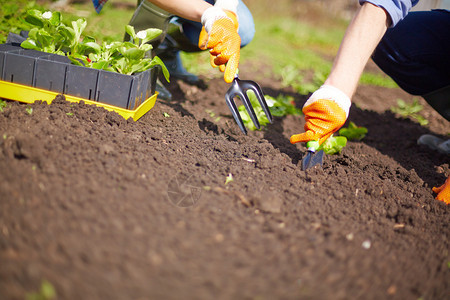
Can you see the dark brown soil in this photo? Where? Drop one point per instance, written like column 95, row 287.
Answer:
column 105, row 208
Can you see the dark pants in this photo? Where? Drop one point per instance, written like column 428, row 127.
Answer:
column 416, row 54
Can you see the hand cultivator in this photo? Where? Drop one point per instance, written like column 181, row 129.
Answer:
column 312, row 157
column 239, row 89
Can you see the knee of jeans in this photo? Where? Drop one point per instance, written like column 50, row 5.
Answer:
column 246, row 36
column 246, row 24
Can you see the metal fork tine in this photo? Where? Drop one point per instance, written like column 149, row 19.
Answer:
column 251, row 85
column 235, row 112
column 248, row 106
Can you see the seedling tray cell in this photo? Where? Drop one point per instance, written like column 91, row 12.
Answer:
column 50, row 74
column 123, row 87
column 81, row 82
column 19, row 66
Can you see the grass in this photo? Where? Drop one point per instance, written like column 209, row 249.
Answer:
column 109, row 24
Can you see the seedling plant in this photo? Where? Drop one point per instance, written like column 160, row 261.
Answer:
column 279, row 107
column 49, row 34
column 2, row 104
column 410, row 110
column 335, row 144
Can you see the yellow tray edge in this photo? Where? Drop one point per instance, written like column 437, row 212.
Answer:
column 27, row 94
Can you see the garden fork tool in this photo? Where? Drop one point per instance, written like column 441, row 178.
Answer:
column 312, row 157
column 239, row 89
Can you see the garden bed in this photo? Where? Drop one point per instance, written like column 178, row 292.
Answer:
column 105, row 208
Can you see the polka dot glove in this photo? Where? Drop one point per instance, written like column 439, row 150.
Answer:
column 220, row 35
column 443, row 192
column 325, row 112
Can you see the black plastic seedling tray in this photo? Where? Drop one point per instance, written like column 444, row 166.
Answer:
column 56, row 73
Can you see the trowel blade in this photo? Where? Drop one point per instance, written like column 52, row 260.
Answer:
column 311, row 159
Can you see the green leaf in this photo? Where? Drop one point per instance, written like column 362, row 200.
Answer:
column 410, row 110
column 260, row 114
column 229, row 179
column 119, row 64
column 134, row 54
column 67, row 33
column 78, row 27
column 130, row 30
column 44, row 39
column 55, row 20
column 353, row 132
column 100, row 65
column 77, row 59
column 30, row 44
column 2, row 104
column 46, row 292
column 146, row 47
column 89, row 39
column 34, row 17
column 152, row 33
column 282, row 106
column 333, row 145
column 156, row 61
column 91, row 47
column 32, row 34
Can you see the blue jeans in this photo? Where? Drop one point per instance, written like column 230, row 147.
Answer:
column 246, row 25
column 416, row 52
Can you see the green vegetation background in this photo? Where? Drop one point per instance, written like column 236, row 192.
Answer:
column 296, row 46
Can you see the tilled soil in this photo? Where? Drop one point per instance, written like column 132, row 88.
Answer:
column 107, row 208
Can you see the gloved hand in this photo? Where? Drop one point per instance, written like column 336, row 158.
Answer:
column 443, row 192
column 325, row 112
column 220, row 34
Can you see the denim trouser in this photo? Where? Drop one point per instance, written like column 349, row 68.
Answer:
column 416, row 52
column 246, row 25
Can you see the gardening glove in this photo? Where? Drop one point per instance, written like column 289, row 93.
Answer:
column 220, row 34
column 443, row 192
column 325, row 112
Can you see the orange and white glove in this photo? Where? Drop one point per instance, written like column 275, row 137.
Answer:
column 325, row 112
column 443, row 192
column 220, row 35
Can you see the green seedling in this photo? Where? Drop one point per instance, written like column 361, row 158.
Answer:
column 279, row 107
column 2, row 104
column 166, row 115
column 229, row 178
column 213, row 115
column 282, row 106
column 333, row 145
column 69, row 113
column 410, row 111
column 29, row 110
column 259, row 112
column 353, row 132
column 46, row 292
column 291, row 76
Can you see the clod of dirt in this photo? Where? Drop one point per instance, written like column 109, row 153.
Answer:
column 268, row 202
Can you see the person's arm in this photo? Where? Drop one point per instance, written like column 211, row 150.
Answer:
column 327, row 109
column 188, row 9
column 360, row 40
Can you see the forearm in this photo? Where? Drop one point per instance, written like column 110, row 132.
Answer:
column 188, row 9
column 360, row 40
